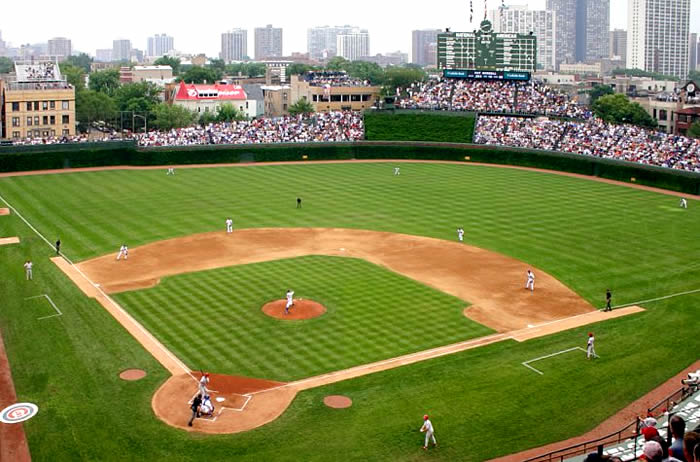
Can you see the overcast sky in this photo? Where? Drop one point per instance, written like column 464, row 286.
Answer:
column 197, row 25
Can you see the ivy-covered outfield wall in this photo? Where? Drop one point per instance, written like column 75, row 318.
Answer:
column 442, row 126
column 25, row 158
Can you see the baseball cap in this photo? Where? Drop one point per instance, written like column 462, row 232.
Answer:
column 652, row 450
column 649, row 432
column 425, row 417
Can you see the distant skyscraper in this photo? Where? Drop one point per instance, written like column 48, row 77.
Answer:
column 618, row 43
column 2, row 45
column 582, row 28
column 421, row 47
column 657, row 36
column 321, row 42
column 103, row 55
column 121, row 50
column 60, row 47
column 160, row 45
column 234, row 45
column 518, row 19
column 693, row 52
column 268, row 42
column 354, row 45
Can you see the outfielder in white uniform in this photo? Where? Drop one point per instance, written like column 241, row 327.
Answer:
column 203, row 382
column 684, row 203
column 28, row 269
column 229, row 225
column 427, row 428
column 290, row 301
column 590, row 350
column 397, row 171
column 123, row 252
column 460, row 234
column 171, row 171
column 530, row 284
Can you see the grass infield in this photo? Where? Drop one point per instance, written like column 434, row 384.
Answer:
column 483, row 402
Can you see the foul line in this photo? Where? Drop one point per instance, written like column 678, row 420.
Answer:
column 107, row 297
column 526, row 363
column 678, row 294
column 52, row 304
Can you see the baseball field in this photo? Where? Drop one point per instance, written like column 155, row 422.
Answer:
column 380, row 253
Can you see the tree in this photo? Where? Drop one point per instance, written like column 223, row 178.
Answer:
column 74, row 75
column 298, row 69
column 228, row 113
column 206, row 118
column 6, row 65
column 247, row 69
column 402, row 77
column 92, row 106
column 169, row 116
column 600, row 90
column 619, row 109
column 364, row 70
column 169, row 61
column 82, row 61
column 137, row 99
column 217, row 65
column 198, row 74
column 106, row 81
column 302, row 106
column 337, row 63
column 694, row 130
column 692, row 75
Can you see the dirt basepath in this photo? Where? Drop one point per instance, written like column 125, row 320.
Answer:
column 493, row 282
column 13, row 441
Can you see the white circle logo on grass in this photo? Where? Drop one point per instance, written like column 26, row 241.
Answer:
column 18, row 413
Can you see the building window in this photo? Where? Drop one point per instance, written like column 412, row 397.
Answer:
column 15, row 121
column 44, row 105
column 284, row 96
column 366, row 97
column 15, row 107
column 52, row 104
column 284, row 107
column 66, row 132
column 45, row 133
column 36, row 106
column 65, row 105
column 52, row 120
column 354, row 98
column 29, row 106
column 315, row 98
column 29, row 121
column 15, row 134
column 66, row 119
column 36, row 120
column 45, row 120
column 662, row 114
column 335, row 98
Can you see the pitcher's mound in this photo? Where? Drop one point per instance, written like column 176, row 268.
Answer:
column 132, row 374
column 337, row 401
column 302, row 309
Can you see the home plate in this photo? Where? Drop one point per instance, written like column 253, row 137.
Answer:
column 220, row 399
column 530, row 326
column 342, row 249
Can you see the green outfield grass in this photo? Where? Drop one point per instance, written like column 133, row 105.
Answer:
column 484, row 402
column 212, row 319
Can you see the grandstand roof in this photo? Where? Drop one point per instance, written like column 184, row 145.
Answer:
column 193, row 92
column 47, row 71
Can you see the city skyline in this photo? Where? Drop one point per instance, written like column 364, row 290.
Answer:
column 204, row 36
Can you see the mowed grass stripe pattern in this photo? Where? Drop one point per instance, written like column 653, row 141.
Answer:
column 213, row 319
column 589, row 235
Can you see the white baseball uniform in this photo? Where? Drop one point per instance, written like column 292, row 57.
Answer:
column 122, row 252
column 590, row 350
column 460, row 234
column 203, row 385
column 207, row 407
column 397, row 171
column 229, row 225
column 429, row 432
column 684, row 203
column 290, row 298
column 530, row 281
column 28, row 270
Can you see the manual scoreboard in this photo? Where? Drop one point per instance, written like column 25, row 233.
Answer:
column 487, row 50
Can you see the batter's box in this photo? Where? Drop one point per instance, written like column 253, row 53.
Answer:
column 527, row 363
column 225, row 402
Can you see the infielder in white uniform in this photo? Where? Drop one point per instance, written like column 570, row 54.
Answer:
column 590, row 350
column 397, row 170
column 229, row 225
column 427, row 428
column 123, row 252
column 290, row 301
column 171, row 171
column 28, row 269
column 684, row 203
column 530, row 284
column 203, row 382
column 460, row 234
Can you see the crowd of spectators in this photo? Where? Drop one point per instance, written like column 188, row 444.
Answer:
column 319, row 127
column 490, row 96
column 333, row 79
column 39, row 71
column 592, row 137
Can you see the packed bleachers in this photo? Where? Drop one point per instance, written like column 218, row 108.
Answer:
column 491, row 96
column 39, row 72
column 333, row 79
column 592, row 137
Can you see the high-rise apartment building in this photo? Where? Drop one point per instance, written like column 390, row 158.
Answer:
column 321, row 42
column 354, row 45
column 542, row 23
column 60, row 48
column 3, row 46
column 234, row 45
column 657, row 36
column 582, row 28
column 160, row 45
column 422, row 41
column 618, row 43
column 103, row 55
column 121, row 50
column 693, row 52
column 268, row 42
